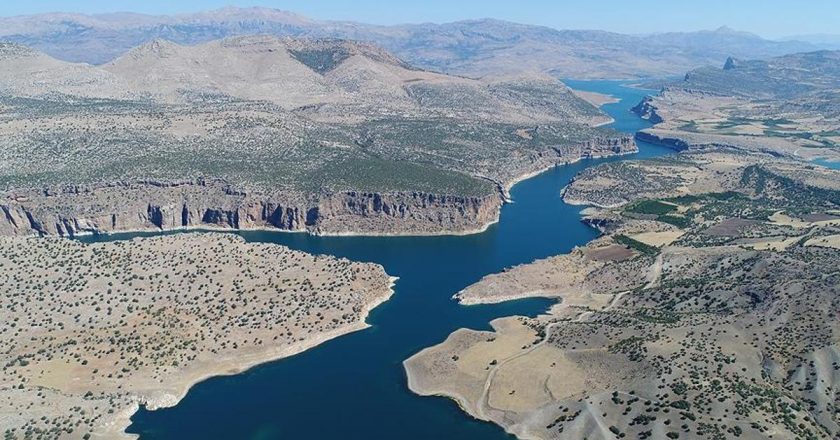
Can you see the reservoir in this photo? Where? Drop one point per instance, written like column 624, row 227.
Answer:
column 354, row 387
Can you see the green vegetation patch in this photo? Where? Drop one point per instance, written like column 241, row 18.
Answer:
column 636, row 245
column 383, row 175
column 321, row 60
column 651, row 207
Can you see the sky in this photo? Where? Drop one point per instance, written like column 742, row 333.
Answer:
column 769, row 18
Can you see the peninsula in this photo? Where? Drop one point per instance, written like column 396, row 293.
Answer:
column 91, row 331
column 707, row 307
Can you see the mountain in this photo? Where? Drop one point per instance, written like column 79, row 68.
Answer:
column 323, row 135
column 335, row 80
column 786, row 77
column 788, row 105
column 472, row 48
column 27, row 72
column 824, row 41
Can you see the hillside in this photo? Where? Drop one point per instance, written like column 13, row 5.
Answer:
column 338, row 134
column 788, row 105
column 474, row 48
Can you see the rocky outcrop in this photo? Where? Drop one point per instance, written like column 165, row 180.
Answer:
column 671, row 142
column 403, row 213
column 607, row 146
column 647, row 110
column 214, row 204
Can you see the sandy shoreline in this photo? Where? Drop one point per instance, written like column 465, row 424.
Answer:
column 595, row 98
column 496, row 299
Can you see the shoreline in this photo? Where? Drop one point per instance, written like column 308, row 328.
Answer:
column 122, row 421
column 218, row 229
column 505, row 198
column 501, row 299
column 508, row 186
column 589, row 203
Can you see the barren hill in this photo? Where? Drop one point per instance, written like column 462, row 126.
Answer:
column 27, row 72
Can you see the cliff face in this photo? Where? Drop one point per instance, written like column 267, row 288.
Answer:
column 154, row 205
column 667, row 141
column 647, row 110
column 407, row 213
column 594, row 148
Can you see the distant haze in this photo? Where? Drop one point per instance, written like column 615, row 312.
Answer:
column 769, row 18
column 475, row 48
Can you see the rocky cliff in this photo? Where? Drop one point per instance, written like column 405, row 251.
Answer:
column 646, row 109
column 129, row 206
column 593, row 148
column 651, row 137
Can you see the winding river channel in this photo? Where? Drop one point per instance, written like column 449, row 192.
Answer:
column 354, row 387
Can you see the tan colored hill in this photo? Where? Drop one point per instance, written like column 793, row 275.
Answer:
column 27, row 72
column 328, row 136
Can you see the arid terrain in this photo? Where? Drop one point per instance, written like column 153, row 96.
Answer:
column 787, row 105
column 329, row 136
column 91, row 331
column 705, row 311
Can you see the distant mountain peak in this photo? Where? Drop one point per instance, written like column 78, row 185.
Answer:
column 157, row 47
column 730, row 64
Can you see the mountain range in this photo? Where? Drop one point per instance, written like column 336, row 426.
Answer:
column 472, row 48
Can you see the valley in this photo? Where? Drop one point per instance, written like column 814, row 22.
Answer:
column 250, row 223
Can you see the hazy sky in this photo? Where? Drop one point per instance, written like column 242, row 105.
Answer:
column 770, row 18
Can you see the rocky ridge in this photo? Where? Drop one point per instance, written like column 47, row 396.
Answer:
column 213, row 204
column 324, row 136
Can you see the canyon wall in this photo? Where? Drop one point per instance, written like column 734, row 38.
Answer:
column 194, row 204
column 206, row 203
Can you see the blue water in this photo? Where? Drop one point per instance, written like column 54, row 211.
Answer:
column 354, row 387
column 828, row 163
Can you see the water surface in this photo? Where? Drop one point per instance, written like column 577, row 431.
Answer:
column 833, row 164
column 354, row 387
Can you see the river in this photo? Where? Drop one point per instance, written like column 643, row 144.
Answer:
column 354, row 387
